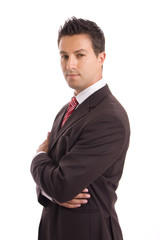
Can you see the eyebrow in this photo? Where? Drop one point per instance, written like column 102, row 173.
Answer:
column 79, row 50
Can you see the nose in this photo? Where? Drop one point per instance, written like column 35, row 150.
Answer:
column 71, row 63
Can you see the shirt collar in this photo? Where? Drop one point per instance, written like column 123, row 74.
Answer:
column 90, row 90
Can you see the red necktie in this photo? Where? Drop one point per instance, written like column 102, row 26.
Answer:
column 72, row 105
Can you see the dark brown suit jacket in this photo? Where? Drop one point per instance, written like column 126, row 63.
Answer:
column 88, row 151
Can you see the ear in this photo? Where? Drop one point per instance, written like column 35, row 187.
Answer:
column 101, row 57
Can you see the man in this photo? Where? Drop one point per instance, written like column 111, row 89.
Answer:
column 78, row 167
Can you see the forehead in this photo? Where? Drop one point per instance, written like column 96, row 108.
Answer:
column 75, row 42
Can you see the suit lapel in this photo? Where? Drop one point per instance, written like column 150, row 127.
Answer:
column 76, row 115
column 80, row 112
column 57, row 125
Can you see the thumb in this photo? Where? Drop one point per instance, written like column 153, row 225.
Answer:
column 48, row 135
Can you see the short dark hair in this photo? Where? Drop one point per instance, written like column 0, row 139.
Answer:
column 82, row 26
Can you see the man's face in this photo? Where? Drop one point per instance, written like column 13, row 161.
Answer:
column 80, row 66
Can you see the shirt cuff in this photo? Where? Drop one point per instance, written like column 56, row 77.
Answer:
column 38, row 153
column 44, row 194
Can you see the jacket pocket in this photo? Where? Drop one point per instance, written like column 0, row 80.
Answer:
column 100, row 227
column 74, row 225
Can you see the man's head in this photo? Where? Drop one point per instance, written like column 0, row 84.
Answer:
column 81, row 46
column 81, row 26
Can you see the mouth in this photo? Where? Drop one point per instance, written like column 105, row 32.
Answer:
column 72, row 75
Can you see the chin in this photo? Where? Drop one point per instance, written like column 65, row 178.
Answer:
column 76, row 89
column 71, row 85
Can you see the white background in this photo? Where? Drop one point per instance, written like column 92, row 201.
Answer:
column 32, row 90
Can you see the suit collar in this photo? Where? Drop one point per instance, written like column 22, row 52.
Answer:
column 80, row 112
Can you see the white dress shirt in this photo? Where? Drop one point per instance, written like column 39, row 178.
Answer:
column 81, row 97
column 89, row 91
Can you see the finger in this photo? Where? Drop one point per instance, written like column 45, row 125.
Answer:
column 67, row 205
column 48, row 135
column 78, row 201
column 85, row 190
column 83, row 195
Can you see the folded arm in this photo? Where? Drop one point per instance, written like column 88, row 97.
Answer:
column 98, row 147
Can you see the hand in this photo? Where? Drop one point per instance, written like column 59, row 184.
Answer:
column 76, row 202
column 44, row 145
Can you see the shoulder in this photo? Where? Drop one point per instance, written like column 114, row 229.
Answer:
column 109, row 109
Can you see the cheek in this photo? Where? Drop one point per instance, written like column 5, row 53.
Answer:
column 63, row 66
column 88, row 67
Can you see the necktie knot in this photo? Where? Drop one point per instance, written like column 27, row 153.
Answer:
column 73, row 102
column 72, row 105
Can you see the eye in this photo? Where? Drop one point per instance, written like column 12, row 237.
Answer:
column 64, row 57
column 80, row 55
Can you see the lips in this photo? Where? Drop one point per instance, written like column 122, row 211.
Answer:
column 72, row 75
column 69, row 73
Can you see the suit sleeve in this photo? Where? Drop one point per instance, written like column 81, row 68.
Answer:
column 99, row 146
